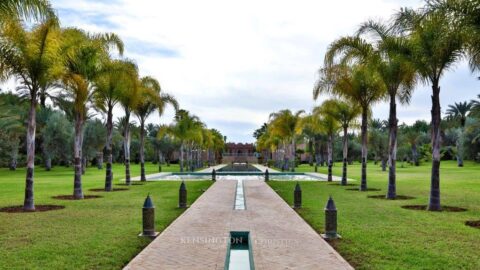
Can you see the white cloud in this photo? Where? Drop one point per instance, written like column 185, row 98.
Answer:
column 237, row 61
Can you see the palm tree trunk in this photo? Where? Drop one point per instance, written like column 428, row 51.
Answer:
column 345, row 155
column 434, row 204
column 330, row 156
column 181, row 157
column 77, row 151
column 364, row 130
column 100, row 160
column 28, row 203
column 392, row 149
column 293, row 155
column 48, row 163
column 142, row 150
column 126, row 146
column 109, row 172
column 415, row 155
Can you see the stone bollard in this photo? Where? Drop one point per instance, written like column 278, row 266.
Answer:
column 148, row 219
column 214, row 175
column 297, row 197
column 267, row 175
column 182, row 196
column 159, row 167
column 316, row 168
column 330, row 221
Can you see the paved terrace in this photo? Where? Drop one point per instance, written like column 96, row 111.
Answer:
column 197, row 239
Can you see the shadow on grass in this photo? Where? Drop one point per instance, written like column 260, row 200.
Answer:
column 72, row 198
column 103, row 190
column 473, row 223
column 424, row 207
column 38, row 208
column 368, row 189
column 397, row 198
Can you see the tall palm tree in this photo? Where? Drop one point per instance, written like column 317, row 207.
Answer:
column 330, row 125
column 358, row 84
column 30, row 57
column 397, row 73
column 435, row 43
column 151, row 99
column 399, row 76
column 346, row 114
column 83, row 53
column 114, row 80
column 26, row 9
column 129, row 100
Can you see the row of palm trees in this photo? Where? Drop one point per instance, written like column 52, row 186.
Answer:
column 78, row 71
column 194, row 139
column 386, row 60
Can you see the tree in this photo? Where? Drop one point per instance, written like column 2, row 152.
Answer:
column 459, row 111
column 284, row 125
column 151, row 99
column 435, row 43
column 113, row 84
column 30, row 57
column 26, row 9
column 358, row 84
column 11, row 127
column 330, row 125
column 398, row 75
column 94, row 141
column 57, row 134
column 82, row 53
column 346, row 115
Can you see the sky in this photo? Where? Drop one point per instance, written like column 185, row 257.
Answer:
column 232, row 63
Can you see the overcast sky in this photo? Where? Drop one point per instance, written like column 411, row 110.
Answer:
column 234, row 62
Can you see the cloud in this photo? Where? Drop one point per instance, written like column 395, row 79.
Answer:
column 232, row 63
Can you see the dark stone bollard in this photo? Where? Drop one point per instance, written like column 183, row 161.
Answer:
column 316, row 168
column 267, row 175
column 182, row 196
column 214, row 175
column 148, row 219
column 330, row 221
column 297, row 197
column 159, row 167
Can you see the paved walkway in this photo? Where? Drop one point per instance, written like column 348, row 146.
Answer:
column 197, row 239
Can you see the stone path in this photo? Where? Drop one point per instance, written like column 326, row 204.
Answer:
column 198, row 238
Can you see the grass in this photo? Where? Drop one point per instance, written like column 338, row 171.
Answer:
column 89, row 234
column 379, row 234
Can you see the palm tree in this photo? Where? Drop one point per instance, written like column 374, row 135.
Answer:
column 460, row 111
column 399, row 76
column 330, row 125
column 346, row 115
column 114, row 81
column 359, row 84
column 26, row 9
column 475, row 110
column 129, row 100
column 186, row 129
column 284, row 125
column 435, row 43
column 83, row 53
column 151, row 99
column 30, row 57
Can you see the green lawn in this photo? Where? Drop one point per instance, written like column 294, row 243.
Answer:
column 379, row 234
column 90, row 234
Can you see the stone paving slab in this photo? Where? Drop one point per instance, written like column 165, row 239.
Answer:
column 198, row 238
